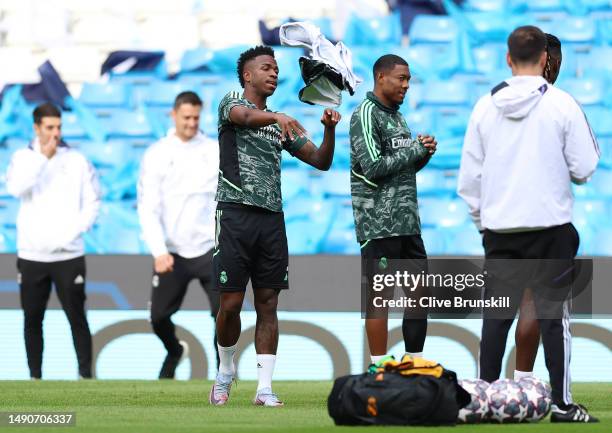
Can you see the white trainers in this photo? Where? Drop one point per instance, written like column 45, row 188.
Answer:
column 265, row 397
column 219, row 394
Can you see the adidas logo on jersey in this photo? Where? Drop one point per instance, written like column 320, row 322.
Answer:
column 79, row 279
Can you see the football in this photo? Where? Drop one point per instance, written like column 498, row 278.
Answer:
column 507, row 401
column 538, row 398
column 478, row 409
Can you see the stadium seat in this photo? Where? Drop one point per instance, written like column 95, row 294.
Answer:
column 488, row 58
column 451, row 122
column 537, row 5
column 464, row 240
column 448, row 153
column 428, row 60
column 420, row 121
column 434, row 241
column 294, row 182
column 587, row 91
column 598, row 61
column 163, row 93
column 601, row 183
column 600, row 120
column 341, row 238
column 602, row 243
column 433, row 28
column 105, row 95
column 71, row 127
column 332, row 183
column 8, row 240
column 127, row 124
column 446, row 93
column 574, row 30
column 9, row 207
column 442, row 212
column 428, row 181
column 591, row 212
column 485, row 5
column 373, row 31
column 117, row 230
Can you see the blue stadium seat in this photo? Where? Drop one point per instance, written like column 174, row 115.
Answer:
column 452, row 121
column 9, row 207
column 8, row 240
column 420, row 121
column 605, row 145
column 587, row 91
column 105, row 95
column 341, row 238
column 71, row 127
column 485, row 5
column 294, row 182
column 488, row 58
column 163, row 93
column 602, row 243
column 428, row 181
column 600, row 120
column 433, row 28
column 490, row 27
column 428, row 60
column 537, row 5
column 577, row 30
column 117, row 230
column 332, row 183
column 448, row 154
column 434, row 240
column 443, row 212
column 446, row 93
column 591, row 212
column 127, row 124
column 598, row 61
column 464, row 240
column 373, row 31
column 601, row 183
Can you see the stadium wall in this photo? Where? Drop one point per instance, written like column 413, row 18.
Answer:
column 322, row 333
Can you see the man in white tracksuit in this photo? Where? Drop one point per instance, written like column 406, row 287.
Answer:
column 60, row 199
column 176, row 206
column 526, row 142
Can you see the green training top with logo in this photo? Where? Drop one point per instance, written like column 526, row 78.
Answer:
column 250, row 159
column 383, row 172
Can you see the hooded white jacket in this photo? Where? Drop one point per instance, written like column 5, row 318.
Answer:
column 60, row 198
column 524, row 145
column 176, row 195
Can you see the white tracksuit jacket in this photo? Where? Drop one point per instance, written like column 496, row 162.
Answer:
column 524, row 145
column 60, row 198
column 176, row 195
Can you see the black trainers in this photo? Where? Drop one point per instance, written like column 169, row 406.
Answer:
column 574, row 413
column 171, row 362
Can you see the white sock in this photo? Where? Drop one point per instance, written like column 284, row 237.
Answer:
column 376, row 358
column 265, row 369
column 415, row 354
column 226, row 359
column 518, row 375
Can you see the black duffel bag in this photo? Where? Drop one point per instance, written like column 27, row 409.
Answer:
column 393, row 398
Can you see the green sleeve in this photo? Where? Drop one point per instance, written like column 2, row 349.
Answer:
column 228, row 102
column 366, row 148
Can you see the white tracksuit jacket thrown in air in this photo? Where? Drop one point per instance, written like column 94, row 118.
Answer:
column 60, row 198
column 176, row 195
column 525, row 143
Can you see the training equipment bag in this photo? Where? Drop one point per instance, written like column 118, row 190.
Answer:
column 411, row 392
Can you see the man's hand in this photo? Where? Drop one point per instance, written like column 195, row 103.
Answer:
column 164, row 263
column 330, row 118
column 290, row 128
column 429, row 142
column 49, row 148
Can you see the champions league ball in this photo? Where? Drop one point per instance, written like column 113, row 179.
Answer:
column 478, row 408
column 538, row 398
column 507, row 401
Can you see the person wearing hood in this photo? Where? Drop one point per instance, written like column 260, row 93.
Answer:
column 60, row 198
column 176, row 207
column 526, row 142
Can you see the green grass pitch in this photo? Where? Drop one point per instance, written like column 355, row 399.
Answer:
column 182, row 406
